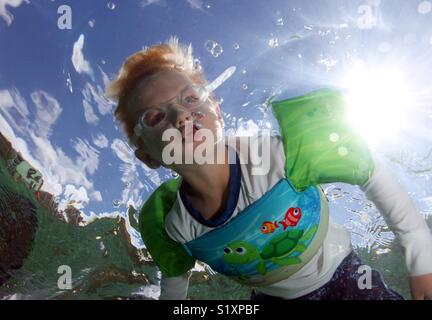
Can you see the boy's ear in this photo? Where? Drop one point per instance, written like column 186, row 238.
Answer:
column 218, row 111
column 147, row 159
column 219, row 114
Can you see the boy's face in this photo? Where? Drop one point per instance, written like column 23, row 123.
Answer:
column 159, row 93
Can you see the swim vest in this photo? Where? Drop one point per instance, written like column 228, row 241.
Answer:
column 279, row 233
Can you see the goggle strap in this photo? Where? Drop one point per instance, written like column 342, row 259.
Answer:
column 216, row 83
column 133, row 141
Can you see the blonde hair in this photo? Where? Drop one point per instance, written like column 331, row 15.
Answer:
column 144, row 64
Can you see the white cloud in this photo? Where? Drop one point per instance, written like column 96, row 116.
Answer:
column 58, row 169
column 96, row 95
column 131, row 194
column 93, row 216
column 105, row 78
column 100, row 141
column 89, row 156
column 14, row 109
column 47, row 112
column 146, row 3
column 6, row 129
column 123, row 151
column 80, row 64
column 77, row 197
column 89, row 114
column 4, row 13
column 247, row 128
column 96, row 196
column 17, row 143
column 195, row 4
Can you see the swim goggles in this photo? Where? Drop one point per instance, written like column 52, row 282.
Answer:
column 190, row 98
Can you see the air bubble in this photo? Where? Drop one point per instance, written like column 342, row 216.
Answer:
column 208, row 45
column 217, row 51
column 334, row 137
column 424, row 7
column 197, row 64
column 273, row 42
column 116, row 203
column 382, row 251
column 280, row 22
column 236, row 46
column 111, row 5
column 214, row 48
column 244, row 86
column 69, row 82
column 92, row 23
column 324, row 33
column 263, row 108
column 342, row 151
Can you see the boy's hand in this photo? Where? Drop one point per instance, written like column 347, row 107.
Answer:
column 421, row 287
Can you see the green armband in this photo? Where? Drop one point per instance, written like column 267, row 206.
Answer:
column 320, row 145
column 169, row 255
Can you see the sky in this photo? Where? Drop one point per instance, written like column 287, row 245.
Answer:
column 52, row 80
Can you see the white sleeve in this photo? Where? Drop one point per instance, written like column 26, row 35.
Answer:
column 402, row 217
column 175, row 288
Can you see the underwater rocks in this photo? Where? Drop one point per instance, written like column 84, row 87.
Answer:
column 37, row 240
column 18, row 223
column 106, row 275
column 21, row 171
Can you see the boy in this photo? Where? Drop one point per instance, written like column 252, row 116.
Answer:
column 269, row 230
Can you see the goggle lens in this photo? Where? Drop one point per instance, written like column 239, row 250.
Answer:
column 153, row 117
column 190, row 98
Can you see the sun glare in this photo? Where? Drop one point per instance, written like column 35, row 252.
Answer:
column 377, row 101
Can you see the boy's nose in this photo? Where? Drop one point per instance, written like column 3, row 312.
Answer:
column 180, row 117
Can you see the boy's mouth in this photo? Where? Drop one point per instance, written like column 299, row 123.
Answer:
column 189, row 132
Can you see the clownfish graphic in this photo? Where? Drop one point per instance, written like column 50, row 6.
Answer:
column 269, row 227
column 292, row 217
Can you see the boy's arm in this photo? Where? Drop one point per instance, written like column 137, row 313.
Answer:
column 175, row 288
column 405, row 221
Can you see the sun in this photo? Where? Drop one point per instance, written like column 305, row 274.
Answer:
column 377, row 102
